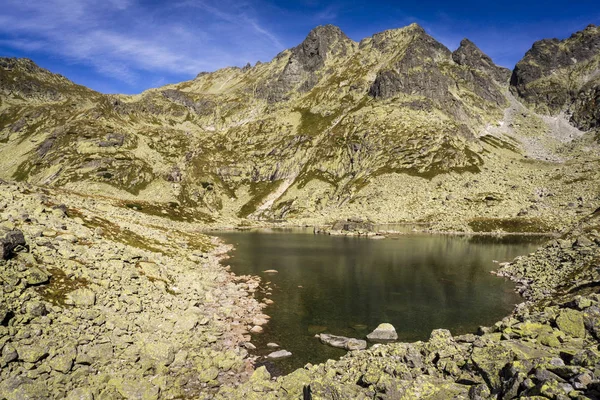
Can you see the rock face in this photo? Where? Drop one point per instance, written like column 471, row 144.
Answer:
column 556, row 76
column 470, row 55
column 383, row 333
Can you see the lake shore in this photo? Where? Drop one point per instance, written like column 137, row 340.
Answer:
column 111, row 303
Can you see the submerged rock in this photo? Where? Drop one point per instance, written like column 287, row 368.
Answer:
column 342, row 342
column 383, row 333
column 279, row 354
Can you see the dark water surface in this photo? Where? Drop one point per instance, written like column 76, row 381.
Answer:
column 347, row 286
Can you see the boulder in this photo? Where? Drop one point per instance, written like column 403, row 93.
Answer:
column 342, row 342
column 571, row 322
column 279, row 354
column 383, row 333
column 13, row 241
column 35, row 276
column 159, row 352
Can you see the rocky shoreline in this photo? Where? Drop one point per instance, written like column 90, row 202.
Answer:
column 548, row 348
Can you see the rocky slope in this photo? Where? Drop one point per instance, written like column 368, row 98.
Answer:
column 394, row 128
column 131, row 308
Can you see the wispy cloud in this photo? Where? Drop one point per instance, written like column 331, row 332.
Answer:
column 123, row 39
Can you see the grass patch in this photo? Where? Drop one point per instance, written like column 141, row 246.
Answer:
column 60, row 285
column 259, row 192
column 509, row 225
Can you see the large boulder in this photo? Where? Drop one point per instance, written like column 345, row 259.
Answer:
column 11, row 242
column 383, row 333
column 342, row 342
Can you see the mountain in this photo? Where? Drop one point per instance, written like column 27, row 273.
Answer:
column 563, row 76
column 394, row 128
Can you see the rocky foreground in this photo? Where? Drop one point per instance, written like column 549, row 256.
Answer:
column 129, row 308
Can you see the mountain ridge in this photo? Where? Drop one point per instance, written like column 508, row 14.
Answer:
column 299, row 138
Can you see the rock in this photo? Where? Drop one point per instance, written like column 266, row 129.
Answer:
column 571, row 322
column 272, row 345
column 187, row 322
column 9, row 354
column 34, row 308
column 383, row 333
column 13, row 241
column 21, row 388
column 32, row 353
column 279, row 354
column 4, row 314
column 83, row 297
column 80, row 394
column 271, row 271
column 135, row 389
column 260, row 374
column 256, row 329
column 160, row 352
column 490, row 361
column 63, row 362
column 35, row 276
column 470, row 55
column 353, row 225
column 208, row 374
column 342, row 342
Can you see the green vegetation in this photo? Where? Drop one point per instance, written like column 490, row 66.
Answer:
column 509, row 225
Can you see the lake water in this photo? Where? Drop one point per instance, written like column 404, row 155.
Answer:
column 348, row 285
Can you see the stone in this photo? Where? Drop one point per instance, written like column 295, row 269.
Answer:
column 272, row 345
column 63, row 362
column 21, row 388
column 571, row 322
column 383, row 333
column 80, row 394
column 271, row 271
column 135, row 388
column 256, row 329
column 161, row 353
column 342, row 342
column 35, row 276
column 187, row 322
column 208, row 374
column 83, row 297
column 279, row 354
column 9, row 353
column 13, row 241
column 32, row 353
column 34, row 308
column 260, row 374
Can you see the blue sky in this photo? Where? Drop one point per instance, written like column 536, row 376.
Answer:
column 127, row 46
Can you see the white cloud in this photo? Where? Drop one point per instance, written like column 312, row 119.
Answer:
column 124, row 40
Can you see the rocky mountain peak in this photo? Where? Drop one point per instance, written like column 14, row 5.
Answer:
column 322, row 42
column 470, row 55
column 307, row 59
column 563, row 76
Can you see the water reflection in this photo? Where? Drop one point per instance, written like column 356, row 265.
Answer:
column 347, row 286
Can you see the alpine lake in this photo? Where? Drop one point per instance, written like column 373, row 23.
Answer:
column 347, row 286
